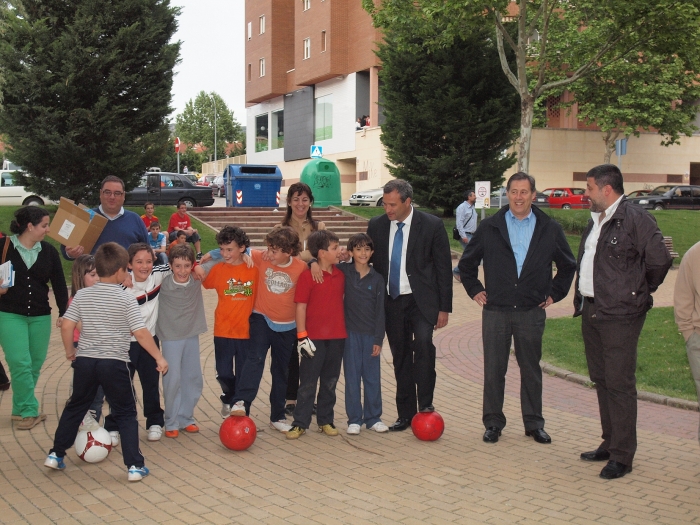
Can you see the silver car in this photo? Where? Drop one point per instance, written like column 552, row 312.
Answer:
column 367, row 198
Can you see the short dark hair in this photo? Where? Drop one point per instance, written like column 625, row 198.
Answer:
column 181, row 251
column 467, row 194
column 607, row 175
column 180, row 233
column 110, row 258
column 521, row 175
column 284, row 238
column 403, row 187
column 359, row 240
column 320, row 240
column 140, row 247
column 153, row 223
column 229, row 234
column 149, row 203
column 26, row 215
column 112, row 178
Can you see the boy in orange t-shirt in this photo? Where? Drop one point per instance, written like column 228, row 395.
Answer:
column 235, row 284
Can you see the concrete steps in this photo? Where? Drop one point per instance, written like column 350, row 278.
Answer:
column 257, row 222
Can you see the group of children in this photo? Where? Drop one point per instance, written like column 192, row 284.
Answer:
column 267, row 299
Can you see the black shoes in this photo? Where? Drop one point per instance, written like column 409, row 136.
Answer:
column 4, row 386
column 491, row 435
column 596, row 455
column 539, row 435
column 429, row 408
column 614, row 470
column 289, row 409
column 401, row 424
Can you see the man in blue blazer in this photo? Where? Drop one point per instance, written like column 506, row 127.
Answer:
column 412, row 253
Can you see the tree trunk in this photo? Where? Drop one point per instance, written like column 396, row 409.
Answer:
column 609, row 139
column 527, row 110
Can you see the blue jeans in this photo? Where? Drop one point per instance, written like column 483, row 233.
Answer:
column 230, row 356
column 455, row 270
column 359, row 365
column 263, row 337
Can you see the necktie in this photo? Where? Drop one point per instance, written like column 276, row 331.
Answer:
column 395, row 265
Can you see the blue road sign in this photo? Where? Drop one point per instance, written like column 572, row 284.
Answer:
column 316, row 152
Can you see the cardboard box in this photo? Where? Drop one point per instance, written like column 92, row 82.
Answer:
column 73, row 225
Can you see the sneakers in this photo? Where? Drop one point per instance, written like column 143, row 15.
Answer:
column 199, row 256
column 192, row 429
column 238, row 409
column 27, row 423
column 137, row 473
column 89, row 423
column 289, row 409
column 115, row 438
column 225, row 410
column 379, row 427
column 295, row 433
column 54, row 462
column 353, row 429
column 172, row 433
column 281, row 425
column 328, row 429
column 155, row 432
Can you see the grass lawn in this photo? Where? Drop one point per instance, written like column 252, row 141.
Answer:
column 662, row 364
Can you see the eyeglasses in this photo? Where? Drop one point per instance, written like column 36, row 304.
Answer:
column 108, row 193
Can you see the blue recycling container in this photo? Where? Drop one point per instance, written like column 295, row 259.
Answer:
column 249, row 185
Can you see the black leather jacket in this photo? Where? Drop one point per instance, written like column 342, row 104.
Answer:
column 631, row 261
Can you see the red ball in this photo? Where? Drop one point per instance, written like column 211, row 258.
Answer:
column 237, row 432
column 427, row 426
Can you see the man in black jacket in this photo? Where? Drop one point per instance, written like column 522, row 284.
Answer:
column 622, row 260
column 518, row 246
column 412, row 253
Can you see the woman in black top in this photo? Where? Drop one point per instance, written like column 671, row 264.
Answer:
column 25, row 314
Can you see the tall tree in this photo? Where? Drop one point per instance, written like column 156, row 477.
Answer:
column 644, row 92
column 196, row 123
column 556, row 42
column 448, row 119
column 87, row 90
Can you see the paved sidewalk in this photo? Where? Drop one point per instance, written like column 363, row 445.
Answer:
column 370, row 478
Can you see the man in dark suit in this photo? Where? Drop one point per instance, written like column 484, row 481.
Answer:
column 518, row 245
column 412, row 253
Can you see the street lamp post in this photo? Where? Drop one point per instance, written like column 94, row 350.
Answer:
column 214, row 101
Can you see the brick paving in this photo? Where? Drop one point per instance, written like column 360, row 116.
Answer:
column 370, row 478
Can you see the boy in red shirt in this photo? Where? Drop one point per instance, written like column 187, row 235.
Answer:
column 321, row 336
column 180, row 221
column 235, row 284
column 148, row 217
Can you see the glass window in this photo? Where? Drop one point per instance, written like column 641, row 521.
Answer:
column 262, row 67
column 307, row 48
column 307, row 5
column 250, row 30
column 250, row 72
column 170, row 181
column 324, row 118
column 323, row 41
column 262, row 24
column 277, row 130
column 261, row 133
column 578, row 191
column 143, row 183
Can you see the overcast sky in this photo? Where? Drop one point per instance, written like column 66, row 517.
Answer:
column 212, row 53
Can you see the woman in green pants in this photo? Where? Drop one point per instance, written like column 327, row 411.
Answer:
column 25, row 314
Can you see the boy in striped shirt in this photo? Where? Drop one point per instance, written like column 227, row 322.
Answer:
column 109, row 316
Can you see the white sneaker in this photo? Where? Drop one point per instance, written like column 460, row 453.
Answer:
column 281, row 425
column 238, row 409
column 225, row 410
column 155, row 432
column 353, row 429
column 89, row 424
column 115, row 438
column 379, row 427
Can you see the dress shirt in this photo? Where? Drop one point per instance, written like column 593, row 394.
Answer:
column 520, row 235
column 466, row 219
column 121, row 212
column 585, row 272
column 405, row 287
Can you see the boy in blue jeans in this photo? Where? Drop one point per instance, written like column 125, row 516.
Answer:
column 109, row 316
column 321, row 336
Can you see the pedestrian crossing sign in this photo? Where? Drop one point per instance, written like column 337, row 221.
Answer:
column 316, row 152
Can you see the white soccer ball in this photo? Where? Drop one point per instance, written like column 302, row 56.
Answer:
column 93, row 446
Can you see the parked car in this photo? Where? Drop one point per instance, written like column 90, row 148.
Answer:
column 367, row 198
column 638, row 193
column 499, row 198
column 206, row 180
column 671, row 197
column 218, row 187
column 13, row 195
column 567, row 198
column 192, row 177
column 163, row 188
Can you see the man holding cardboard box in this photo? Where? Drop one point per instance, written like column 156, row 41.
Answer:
column 122, row 226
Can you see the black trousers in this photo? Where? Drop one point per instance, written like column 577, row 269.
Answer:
column 525, row 328
column 410, row 337
column 143, row 363
column 293, row 378
column 114, row 376
column 611, row 353
column 3, row 375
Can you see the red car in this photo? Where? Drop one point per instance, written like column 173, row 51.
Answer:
column 567, row 198
column 206, row 180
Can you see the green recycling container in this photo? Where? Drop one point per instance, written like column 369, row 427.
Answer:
column 323, row 177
